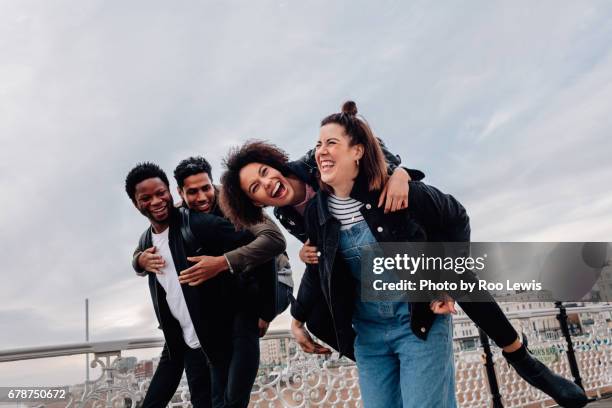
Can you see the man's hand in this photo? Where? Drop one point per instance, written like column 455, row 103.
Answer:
column 445, row 305
column 207, row 267
column 302, row 337
column 149, row 261
column 263, row 327
column 395, row 193
column 308, row 253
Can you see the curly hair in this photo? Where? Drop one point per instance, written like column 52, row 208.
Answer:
column 141, row 172
column 234, row 202
column 191, row 166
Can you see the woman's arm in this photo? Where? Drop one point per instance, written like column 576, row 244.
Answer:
column 268, row 243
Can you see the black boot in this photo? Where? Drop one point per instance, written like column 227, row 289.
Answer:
column 563, row 391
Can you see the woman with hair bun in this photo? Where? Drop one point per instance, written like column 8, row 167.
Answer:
column 403, row 351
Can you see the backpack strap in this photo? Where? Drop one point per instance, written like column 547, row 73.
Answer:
column 145, row 240
column 189, row 240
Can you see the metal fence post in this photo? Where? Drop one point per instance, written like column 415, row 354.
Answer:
column 490, row 366
column 571, row 355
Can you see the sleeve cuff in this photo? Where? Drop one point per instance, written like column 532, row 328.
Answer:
column 229, row 264
column 415, row 175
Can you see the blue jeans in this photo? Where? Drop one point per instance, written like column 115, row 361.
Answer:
column 396, row 368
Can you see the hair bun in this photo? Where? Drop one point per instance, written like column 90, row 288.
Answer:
column 349, row 107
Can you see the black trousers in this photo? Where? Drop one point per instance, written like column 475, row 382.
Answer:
column 232, row 380
column 492, row 320
column 168, row 376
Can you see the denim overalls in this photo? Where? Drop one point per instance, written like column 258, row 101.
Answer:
column 396, row 368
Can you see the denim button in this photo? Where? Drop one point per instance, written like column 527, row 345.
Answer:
column 379, row 229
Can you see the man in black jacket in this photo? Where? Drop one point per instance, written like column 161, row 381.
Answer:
column 197, row 320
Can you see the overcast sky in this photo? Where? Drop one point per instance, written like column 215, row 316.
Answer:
column 506, row 105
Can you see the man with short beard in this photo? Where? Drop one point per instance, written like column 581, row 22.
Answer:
column 197, row 320
column 194, row 179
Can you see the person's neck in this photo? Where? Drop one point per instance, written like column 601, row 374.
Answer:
column 343, row 190
column 299, row 187
column 159, row 227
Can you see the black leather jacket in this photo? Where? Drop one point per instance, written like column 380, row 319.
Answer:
column 211, row 304
column 431, row 216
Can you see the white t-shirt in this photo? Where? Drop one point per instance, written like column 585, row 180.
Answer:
column 174, row 294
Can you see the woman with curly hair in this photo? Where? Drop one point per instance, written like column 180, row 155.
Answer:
column 259, row 174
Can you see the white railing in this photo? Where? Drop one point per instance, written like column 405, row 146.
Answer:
column 290, row 378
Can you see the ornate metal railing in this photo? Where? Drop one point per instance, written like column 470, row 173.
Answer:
column 290, row 378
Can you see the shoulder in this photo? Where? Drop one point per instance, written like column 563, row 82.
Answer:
column 312, row 211
column 312, row 208
column 203, row 223
column 418, row 189
column 145, row 238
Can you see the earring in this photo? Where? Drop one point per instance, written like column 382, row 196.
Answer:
column 357, row 162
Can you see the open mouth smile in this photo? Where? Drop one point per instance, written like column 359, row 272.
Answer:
column 279, row 190
column 159, row 211
column 327, row 165
column 203, row 206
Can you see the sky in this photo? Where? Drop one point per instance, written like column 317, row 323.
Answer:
column 506, row 105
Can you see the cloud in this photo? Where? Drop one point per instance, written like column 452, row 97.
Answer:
column 504, row 106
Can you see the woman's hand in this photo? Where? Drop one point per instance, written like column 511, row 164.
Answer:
column 444, row 305
column 308, row 254
column 395, row 193
column 263, row 327
column 302, row 337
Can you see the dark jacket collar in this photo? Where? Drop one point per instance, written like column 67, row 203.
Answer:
column 304, row 172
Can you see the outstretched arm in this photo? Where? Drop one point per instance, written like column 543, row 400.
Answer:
column 269, row 242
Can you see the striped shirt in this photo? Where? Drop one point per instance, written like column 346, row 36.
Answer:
column 345, row 210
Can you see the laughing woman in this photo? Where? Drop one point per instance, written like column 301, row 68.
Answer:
column 259, row 174
column 403, row 350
